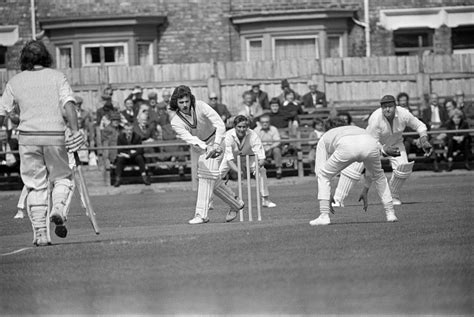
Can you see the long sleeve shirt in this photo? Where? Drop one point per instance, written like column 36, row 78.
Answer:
column 41, row 95
column 201, row 128
column 250, row 145
column 380, row 128
column 330, row 139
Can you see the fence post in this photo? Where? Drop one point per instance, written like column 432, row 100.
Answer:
column 423, row 85
column 213, row 82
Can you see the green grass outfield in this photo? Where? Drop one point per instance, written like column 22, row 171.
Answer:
column 147, row 260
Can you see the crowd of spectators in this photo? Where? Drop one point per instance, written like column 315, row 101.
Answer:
column 138, row 119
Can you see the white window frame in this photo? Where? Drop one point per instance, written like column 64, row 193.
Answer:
column 85, row 46
column 296, row 37
column 247, row 47
column 341, row 50
column 150, row 52
column 58, row 55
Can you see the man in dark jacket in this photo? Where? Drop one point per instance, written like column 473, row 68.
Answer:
column 314, row 98
column 130, row 156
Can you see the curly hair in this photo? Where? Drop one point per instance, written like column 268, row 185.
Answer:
column 240, row 118
column 403, row 94
column 33, row 53
column 178, row 93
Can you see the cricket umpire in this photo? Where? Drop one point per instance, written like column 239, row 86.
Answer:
column 44, row 97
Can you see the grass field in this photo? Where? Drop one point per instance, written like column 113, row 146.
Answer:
column 147, row 260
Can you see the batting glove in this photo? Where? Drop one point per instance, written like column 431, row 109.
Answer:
column 214, row 151
column 74, row 141
column 390, row 151
column 426, row 146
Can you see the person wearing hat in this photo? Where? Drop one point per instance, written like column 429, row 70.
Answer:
column 136, row 96
column 314, row 98
column 285, row 87
column 386, row 125
column 220, row 108
column 260, row 96
column 109, row 136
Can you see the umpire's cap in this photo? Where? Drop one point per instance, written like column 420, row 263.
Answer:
column 388, row 99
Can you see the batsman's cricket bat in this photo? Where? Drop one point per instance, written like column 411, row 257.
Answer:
column 81, row 184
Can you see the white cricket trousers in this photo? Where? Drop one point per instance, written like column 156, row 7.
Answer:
column 353, row 148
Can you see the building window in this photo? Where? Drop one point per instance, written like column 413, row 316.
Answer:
column 255, row 50
column 413, row 41
column 145, row 54
column 3, row 57
column 107, row 54
column 334, row 46
column 295, row 47
column 64, row 56
column 462, row 39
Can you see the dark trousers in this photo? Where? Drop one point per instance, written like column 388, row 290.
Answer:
column 464, row 146
column 134, row 159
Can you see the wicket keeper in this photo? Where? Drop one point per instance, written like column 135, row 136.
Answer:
column 386, row 125
column 339, row 147
column 196, row 123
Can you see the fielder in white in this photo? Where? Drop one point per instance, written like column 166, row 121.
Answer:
column 196, row 123
column 339, row 147
column 43, row 96
column 386, row 125
column 241, row 141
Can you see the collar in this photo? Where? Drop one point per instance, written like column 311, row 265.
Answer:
column 192, row 114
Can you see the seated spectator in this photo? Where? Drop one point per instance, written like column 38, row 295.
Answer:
column 314, row 98
column 250, row 109
column 434, row 115
column 165, row 103
column 141, row 126
column 410, row 142
column 403, row 100
column 280, row 119
column 130, row 156
column 285, row 87
column 12, row 121
column 459, row 141
column 450, row 106
column 346, row 116
column 466, row 107
column 271, row 142
column 221, row 109
column 128, row 115
column 136, row 96
column 103, row 113
column 109, row 138
column 315, row 135
column 260, row 96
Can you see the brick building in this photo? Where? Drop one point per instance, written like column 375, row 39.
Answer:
column 141, row 32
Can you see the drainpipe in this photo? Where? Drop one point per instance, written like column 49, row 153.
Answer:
column 367, row 28
column 33, row 19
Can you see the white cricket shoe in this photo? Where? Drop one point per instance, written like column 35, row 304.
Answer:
column 198, row 220
column 391, row 217
column 396, row 201
column 338, row 203
column 19, row 215
column 268, row 203
column 322, row 220
column 41, row 238
column 232, row 214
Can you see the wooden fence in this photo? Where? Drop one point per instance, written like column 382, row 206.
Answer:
column 349, row 81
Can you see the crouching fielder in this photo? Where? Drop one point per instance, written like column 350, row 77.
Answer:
column 339, row 147
column 200, row 126
column 43, row 96
column 242, row 141
column 386, row 125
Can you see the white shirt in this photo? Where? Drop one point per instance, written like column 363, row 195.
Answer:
column 202, row 127
column 250, row 145
column 435, row 118
column 380, row 128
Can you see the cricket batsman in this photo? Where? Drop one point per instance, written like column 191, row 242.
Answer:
column 386, row 125
column 339, row 147
column 243, row 141
column 43, row 96
column 196, row 123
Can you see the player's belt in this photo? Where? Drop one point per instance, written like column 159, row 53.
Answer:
column 42, row 133
column 209, row 137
